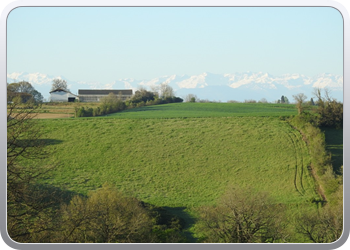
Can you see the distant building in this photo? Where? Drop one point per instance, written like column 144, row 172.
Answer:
column 95, row 95
column 62, row 95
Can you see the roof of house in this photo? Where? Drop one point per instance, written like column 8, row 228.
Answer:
column 104, row 91
column 59, row 90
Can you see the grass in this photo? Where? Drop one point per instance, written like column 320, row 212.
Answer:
column 182, row 156
column 176, row 110
column 180, row 162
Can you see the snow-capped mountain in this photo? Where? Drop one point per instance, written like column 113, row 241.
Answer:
column 218, row 87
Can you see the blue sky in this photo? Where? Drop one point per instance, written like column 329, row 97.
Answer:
column 106, row 44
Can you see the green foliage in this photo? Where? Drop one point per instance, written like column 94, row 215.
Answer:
column 106, row 216
column 142, row 95
column 113, row 104
column 23, row 91
column 330, row 112
column 283, row 100
column 321, row 165
column 84, row 112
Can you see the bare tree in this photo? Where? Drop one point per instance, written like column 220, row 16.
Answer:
column 166, row 91
column 191, row 98
column 59, row 84
column 243, row 216
column 28, row 205
column 300, row 100
column 155, row 89
column 323, row 226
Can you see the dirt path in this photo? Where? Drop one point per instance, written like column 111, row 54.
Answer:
column 52, row 116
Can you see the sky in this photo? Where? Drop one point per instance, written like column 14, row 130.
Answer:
column 105, row 44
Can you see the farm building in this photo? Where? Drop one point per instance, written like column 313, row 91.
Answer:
column 95, row 95
column 62, row 95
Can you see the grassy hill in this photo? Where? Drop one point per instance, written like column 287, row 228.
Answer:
column 182, row 156
column 182, row 161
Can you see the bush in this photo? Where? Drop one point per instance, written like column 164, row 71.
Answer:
column 82, row 112
column 106, row 216
column 330, row 112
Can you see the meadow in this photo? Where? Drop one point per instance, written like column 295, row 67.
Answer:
column 175, row 110
column 183, row 110
column 180, row 162
column 182, row 156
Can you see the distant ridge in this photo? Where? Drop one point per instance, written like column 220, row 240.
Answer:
column 218, row 87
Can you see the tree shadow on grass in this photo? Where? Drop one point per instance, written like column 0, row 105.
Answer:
column 48, row 194
column 38, row 142
column 334, row 144
column 186, row 220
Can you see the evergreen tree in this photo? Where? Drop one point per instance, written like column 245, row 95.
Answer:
column 282, row 99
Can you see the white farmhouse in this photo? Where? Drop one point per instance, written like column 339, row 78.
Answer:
column 62, row 95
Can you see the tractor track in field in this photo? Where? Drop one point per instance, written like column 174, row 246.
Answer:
column 298, row 158
column 318, row 187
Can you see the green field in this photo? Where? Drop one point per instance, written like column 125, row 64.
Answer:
column 181, row 161
column 183, row 155
column 181, row 110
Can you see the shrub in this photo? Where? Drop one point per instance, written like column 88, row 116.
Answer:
column 82, row 112
column 105, row 216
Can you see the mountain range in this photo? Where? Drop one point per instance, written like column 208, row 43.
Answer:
column 207, row 86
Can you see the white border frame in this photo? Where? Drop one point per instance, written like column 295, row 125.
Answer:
column 170, row 3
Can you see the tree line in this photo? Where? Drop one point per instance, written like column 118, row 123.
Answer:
column 142, row 97
column 328, row 112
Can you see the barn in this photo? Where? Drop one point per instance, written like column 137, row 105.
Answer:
column 95, row 95
column 62, row 95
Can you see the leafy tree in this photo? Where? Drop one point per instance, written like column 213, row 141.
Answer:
column 282, row 99
column 242, row 216
column 105, row 216
column 286, row 101
column 24, row 90
column 59, row 84
column 142, row 95
column 329, row 110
